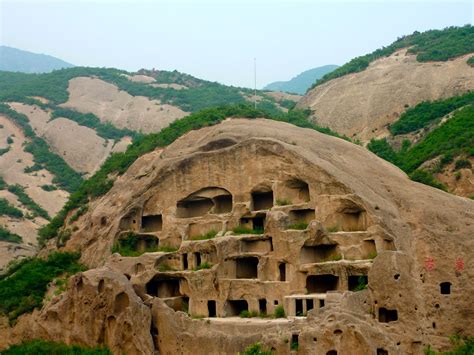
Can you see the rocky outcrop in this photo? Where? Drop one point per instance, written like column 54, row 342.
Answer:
column 362, row 105
column 99, row 307
column 254, row 217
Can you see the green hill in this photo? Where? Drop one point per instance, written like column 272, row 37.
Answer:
column 17, row 60
column 302, row 82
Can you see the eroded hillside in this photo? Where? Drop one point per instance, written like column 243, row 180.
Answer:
column 319, row 246
column 362, row 105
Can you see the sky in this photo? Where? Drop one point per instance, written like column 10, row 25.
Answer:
column 218, row 40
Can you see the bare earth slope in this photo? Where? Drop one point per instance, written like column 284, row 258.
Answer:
column 123, row 110
column 79, row 146
column 363, row 104
column 361, row 216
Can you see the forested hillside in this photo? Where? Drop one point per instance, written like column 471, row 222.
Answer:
column 432, row 139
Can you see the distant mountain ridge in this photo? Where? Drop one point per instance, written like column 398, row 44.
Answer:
column 303, row 81
column 17, row 60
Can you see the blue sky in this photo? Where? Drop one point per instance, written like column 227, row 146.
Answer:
column 217, row 40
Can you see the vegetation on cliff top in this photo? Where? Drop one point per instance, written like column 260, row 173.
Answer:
column 24, row 285
column 432, row 45
column 118, row 163
column 43, row 347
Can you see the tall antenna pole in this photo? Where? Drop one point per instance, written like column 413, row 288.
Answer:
column 255, row 81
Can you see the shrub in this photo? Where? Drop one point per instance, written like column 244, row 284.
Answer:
column 49, row 187
column 7, row 236
column 426, row 178
column 8, row 210
column 256, row 349
column 4, row 150
column 461, row 346
column 42, row 347
column 361, row 284
column 462, row 164
column 128, row 246
column 26, row 200
column 279, row 312
column 294, row 346
column 9, row 140
column 3, row 184
column 248, row 314
column 23, row 287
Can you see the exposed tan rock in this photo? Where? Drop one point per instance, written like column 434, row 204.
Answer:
column 99, row 307
column 123, row 110
column 364, row 220
column 459, row 182
column 363, row 104
column 170, row 86
column 141, row 78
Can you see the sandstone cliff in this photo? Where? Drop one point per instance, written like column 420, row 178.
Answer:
column 252, row 216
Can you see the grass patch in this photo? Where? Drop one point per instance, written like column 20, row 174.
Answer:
column 42, row 347
column 283, row 202
column 243, row 230
column 298, row 226
column 248, row 314
column 23, row 288
column 256, row 349
column 205, row 265
column 7, row 236
column 209, row 235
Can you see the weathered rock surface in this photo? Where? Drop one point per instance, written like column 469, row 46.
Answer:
column 324, row 219
column 363, row 104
